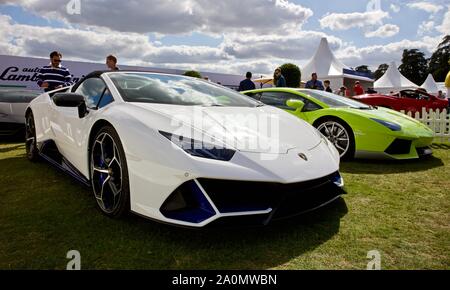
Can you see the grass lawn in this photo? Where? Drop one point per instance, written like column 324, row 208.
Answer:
column 401, row 209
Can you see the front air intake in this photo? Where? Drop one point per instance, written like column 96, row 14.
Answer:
column 187, row 203
column 399, row 146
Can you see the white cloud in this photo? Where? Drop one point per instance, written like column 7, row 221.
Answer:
column 425, row 27
column 136, row 49
column 344, row 21
column 426, row 6
column 299, row 45
column 377, row 54
column 395, row 8
column 176, row 16
column 387, row 30
column 444, row 28
column 93, row 46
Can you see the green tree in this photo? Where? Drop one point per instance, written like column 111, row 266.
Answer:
column 382, row 68
column 363, row 68
column 439, row 61
column 414, row 66
column 193, row 73
column 292, row 74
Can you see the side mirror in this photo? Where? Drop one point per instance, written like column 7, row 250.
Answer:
column 71, row 100
column 296, row 104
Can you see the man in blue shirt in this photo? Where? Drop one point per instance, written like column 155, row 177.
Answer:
column 314, row 83
column 247, row 84
column 54, row 76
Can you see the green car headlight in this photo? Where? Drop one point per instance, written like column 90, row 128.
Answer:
column 390, row 125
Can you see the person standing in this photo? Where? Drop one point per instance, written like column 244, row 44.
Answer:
column 327, row 86
column 111, row 62
column 247, row 84
column 278, row 79
column 358, row 89
column 342, row 91
column 314, row 83
column 54, row 76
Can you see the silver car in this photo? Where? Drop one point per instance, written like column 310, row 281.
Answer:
column 13, row 102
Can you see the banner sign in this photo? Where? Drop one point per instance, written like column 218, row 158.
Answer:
column 357, row 73
column 17, row 71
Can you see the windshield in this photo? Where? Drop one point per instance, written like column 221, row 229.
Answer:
column 176, row 90
column 335, row 101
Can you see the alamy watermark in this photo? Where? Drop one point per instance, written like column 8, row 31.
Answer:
column 373, row 5
column 248, row 132
column 73, row 7
column 75, row 260
column 375, row 260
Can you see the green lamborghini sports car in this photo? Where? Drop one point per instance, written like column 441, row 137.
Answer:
column 357, row 130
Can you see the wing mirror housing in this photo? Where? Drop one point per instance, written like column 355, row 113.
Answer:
column 71, row 100
column 296, row 104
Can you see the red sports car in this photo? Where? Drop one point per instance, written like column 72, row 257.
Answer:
column 407, row 100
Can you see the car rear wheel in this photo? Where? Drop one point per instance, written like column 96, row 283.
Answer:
column 30, row 138
column 109, row 173
column 340, row 135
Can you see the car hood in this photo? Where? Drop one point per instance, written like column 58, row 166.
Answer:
column 408, row 124
column 260, row 130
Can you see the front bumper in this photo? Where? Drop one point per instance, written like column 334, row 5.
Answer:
column 400, row 149
column 211, row 202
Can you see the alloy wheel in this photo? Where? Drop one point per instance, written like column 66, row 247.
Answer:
column 106, row 172
column 336, row 134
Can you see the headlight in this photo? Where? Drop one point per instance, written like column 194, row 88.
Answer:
column 390, row 125
column 199, row 148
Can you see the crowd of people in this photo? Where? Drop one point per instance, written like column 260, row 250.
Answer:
column 314, row 83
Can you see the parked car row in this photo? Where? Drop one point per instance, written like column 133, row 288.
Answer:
column 192, row 153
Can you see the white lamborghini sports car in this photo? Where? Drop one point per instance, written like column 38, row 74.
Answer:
column 181, row 150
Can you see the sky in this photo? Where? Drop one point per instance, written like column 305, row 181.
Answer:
column 229, row 36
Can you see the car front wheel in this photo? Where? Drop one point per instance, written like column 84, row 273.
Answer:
column 340, row 134
column 109, row 173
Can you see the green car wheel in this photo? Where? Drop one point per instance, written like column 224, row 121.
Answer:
column 339, row 134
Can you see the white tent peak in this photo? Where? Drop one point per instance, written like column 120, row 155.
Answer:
column 430, row 85
column 393, row 80
column 324, row 63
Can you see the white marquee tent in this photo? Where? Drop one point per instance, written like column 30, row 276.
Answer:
column 327, row 66
column 393, row 80
column 430, row 85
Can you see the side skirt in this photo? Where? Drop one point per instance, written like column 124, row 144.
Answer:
column 49, row 152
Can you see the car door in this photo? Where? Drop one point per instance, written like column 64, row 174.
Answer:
column 279, row 99
column 75, row 135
